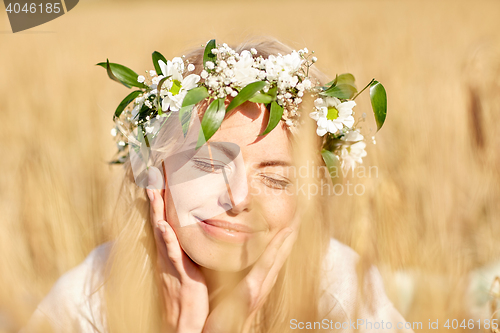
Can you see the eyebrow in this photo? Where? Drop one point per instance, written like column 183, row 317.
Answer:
column 230, row 153
column 274, row 163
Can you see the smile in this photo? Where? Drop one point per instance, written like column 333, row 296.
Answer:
column 225, row 231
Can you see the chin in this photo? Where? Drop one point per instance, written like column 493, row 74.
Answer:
column 216, row 264
column 219, row 257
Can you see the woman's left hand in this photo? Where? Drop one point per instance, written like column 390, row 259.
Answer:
column 250, row 294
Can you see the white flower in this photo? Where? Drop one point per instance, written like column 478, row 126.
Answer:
column 331, row 115
column 176, row 87
column 172, row 68
column 292, row 62
column 152, row 73
column 352, row 153
column 253, row 51
column 243, row 70
column 190, row 68
column 141, row 78
column 283, row 69
column 204, row 74
column 114, row 132
column 157, row 79
column 149, row 129
column 210, row 65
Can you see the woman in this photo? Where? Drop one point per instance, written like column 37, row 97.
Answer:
column 224, row 238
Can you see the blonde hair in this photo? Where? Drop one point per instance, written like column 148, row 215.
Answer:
column 130, row 289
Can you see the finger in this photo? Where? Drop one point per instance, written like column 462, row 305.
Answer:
column 281, row 256
column 157, row 211
column 262, row 267
column 174, row 251
column 286, row 248
column 155, row 178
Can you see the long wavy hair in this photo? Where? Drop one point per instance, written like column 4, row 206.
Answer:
column 131, row 299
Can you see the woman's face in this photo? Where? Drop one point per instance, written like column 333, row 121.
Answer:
column 230, row 199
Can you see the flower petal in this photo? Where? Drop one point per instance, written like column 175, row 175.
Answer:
column 190, row 81
column 321, row 131
column 348, row 121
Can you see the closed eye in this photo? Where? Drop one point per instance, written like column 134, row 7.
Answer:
column 275, row 183
column 207, row 166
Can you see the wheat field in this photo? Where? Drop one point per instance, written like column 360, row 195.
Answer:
column 430, row 220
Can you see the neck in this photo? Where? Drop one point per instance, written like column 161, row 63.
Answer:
column 219, row 284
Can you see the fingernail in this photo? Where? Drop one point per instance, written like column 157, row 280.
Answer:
column 288, row 232
column 151, row 176
column 150, row 193
column 162, row 227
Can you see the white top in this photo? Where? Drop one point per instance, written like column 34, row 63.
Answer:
column 73, row 305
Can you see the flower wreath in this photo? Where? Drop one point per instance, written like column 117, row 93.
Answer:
column 279, row 82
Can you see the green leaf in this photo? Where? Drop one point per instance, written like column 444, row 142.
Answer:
column 264, row 98
column 158, row 56
column 185, row 117
column 208, row 55
column 211, row 120
column 378, row 98
column 122, row 74
column 194, row 96
column 332, row 82
column 126, row 101
column 260, row 97
column 332, row 163
column 342, row 91
column 245, row 94
column 346, row 78
column 158, row 87
column 145, row 147
column 275, row 115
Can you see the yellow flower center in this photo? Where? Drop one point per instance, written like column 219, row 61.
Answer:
column 332, row 114
column 176, row 87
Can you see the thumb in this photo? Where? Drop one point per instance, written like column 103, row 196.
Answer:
column 155, row 178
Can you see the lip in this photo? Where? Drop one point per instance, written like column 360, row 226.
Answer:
column 225, row 231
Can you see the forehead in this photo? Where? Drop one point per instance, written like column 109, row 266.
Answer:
column 243, row 126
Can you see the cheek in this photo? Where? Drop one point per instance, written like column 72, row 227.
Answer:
column 199, row 195
column 278, row 210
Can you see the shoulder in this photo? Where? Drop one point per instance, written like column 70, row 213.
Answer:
column 74, row 302
column 351, row 291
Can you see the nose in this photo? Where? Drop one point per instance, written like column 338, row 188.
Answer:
column 242, row 205
column 237, row 198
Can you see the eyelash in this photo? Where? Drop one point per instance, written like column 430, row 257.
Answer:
column 275, row 183
column 268, row 181
column 207, row 167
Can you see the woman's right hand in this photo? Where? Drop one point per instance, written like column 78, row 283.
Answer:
column 182, row 284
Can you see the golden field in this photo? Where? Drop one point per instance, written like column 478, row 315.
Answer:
column 431, row 217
